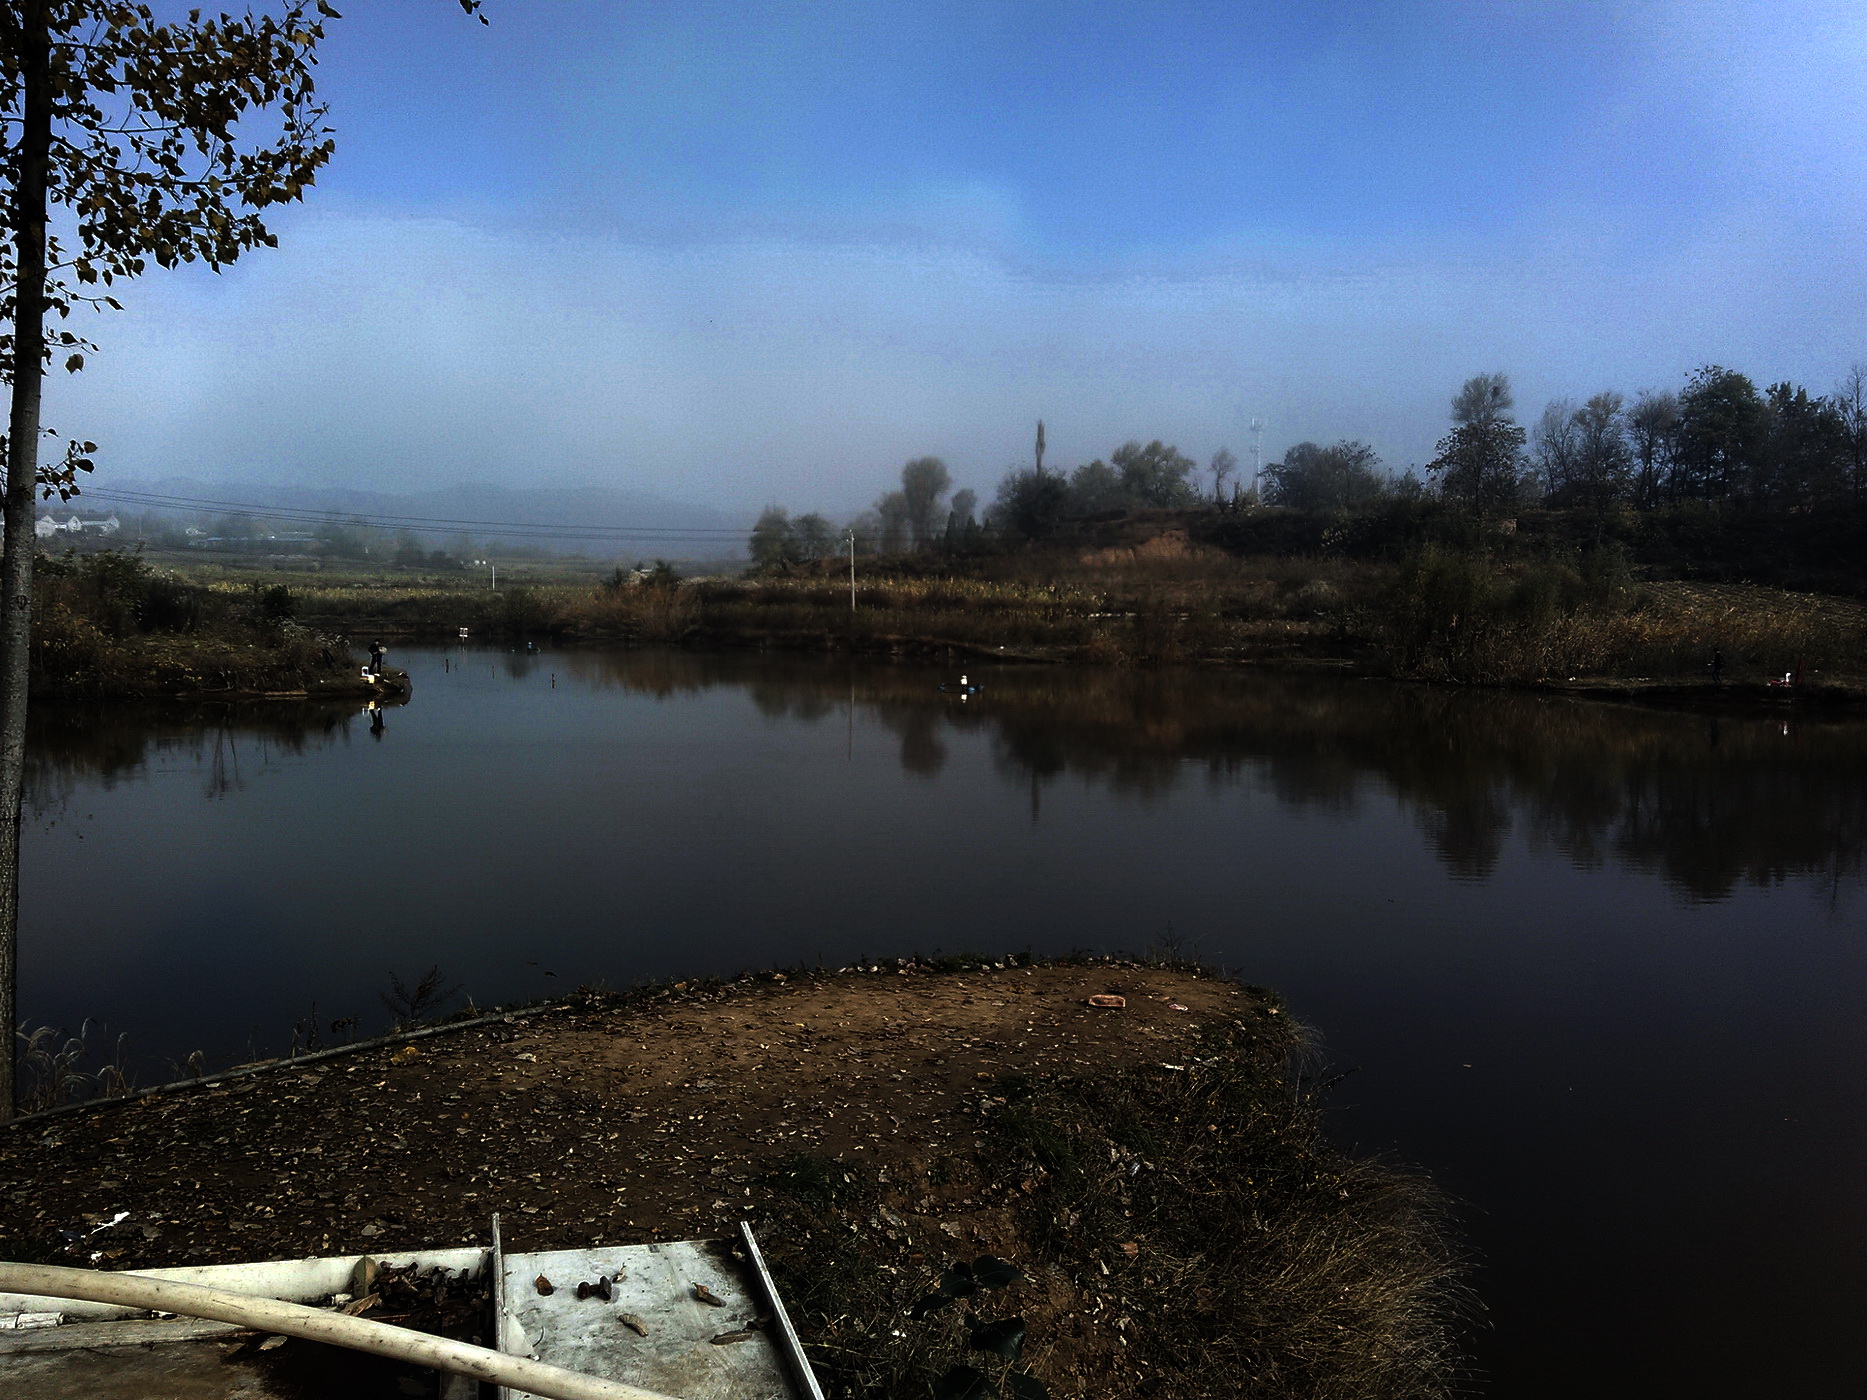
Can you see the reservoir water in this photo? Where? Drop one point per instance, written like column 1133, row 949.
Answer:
column 1601, row 970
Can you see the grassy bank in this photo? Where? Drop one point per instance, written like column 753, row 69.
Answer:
column 108, row 625
column 1152, row 1178
column 1431, row 614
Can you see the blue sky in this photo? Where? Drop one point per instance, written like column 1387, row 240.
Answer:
column 737, row 254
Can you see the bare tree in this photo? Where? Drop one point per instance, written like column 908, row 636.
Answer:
column 1555, row 448
column 1651, row 423
column 1850, row 401
column 1223, row 465
column 1603, row 460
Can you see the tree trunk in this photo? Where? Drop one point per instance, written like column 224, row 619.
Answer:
column 22, row 470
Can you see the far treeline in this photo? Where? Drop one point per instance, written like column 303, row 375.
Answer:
column 1717, row 451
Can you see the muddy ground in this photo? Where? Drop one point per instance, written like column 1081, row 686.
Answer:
column 616, row 1121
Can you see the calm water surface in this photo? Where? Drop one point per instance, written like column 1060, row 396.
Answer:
column 1599, row 969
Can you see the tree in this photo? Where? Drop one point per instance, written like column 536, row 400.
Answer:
column 896, row 532
column 1339, row 478
column 145, row 136
column 1804, row 461
column 1096, row 486
column 923, row 482
column 1477, row 466
column 1651, row 425
column 1154, row 475
column 1030, row 504
column 1603, row 462
column 1720, row 433
column 1223, row 465
column 772, row 545
column 1555, row 448
column 408, row 549
column 1040, row 445
column 813, row 536
column 960, row 525
column 1480, row 460
column 1850, row 401
column 1481, row 400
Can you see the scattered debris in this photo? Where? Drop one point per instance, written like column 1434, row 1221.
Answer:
column 1108, row 999
column 633, row 1323
column 544, row 1286
column 705, row 1295
column 726, row 1339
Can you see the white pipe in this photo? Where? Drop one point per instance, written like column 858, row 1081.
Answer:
column 293, row 1320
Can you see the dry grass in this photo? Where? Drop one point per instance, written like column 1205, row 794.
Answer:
column 1762, row 631
column 1184, row 1231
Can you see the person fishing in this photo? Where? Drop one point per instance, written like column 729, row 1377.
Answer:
column 376, row 655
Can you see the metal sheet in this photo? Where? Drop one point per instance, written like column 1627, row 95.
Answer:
column 690, row 1348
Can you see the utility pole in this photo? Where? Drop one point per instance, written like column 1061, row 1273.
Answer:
column 1257, row 455
column 1040, row 447
column 852, row 568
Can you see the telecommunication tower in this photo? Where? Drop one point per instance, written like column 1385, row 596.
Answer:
column 1257, row 452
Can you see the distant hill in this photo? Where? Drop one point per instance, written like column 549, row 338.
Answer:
column 477, row 509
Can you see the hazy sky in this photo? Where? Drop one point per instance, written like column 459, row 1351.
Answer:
column 735, row 253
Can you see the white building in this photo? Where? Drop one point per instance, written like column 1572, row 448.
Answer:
column 46, row 526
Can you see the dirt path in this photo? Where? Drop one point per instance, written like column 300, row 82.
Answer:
column 614, row 1123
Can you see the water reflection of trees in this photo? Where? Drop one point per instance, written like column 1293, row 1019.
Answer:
column 1706, row 803
column 106, row 745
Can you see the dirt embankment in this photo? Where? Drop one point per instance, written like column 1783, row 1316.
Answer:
column 607, row 1124
column 878, row 1125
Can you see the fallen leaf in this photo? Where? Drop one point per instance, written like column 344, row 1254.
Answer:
column 1108, row 1000
column 726, row 1339
column 705, row 1295
column 544, row 1286
column 633, row 1323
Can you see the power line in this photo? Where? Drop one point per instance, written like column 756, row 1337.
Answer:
column 419, row 524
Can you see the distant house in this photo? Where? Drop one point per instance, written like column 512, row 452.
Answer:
column 47, row 526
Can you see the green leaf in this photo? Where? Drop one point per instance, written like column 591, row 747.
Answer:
column 989, row 1271
column 1025, row 1386
column 928, row 1306
column 957, row 1282
column 74, row 364
column 1004, row 1338
column 965, row 1383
